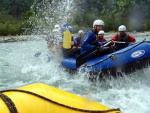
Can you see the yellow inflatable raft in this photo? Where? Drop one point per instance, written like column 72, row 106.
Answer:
column 42, row 98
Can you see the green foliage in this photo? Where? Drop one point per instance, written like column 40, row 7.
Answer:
column 14, row 15
column 132, row 13
column 10, row 29
column 15, row 7
column 28, row 14
column 75, row 28
column 10, row 25
column 146, row 25
column 82, row 21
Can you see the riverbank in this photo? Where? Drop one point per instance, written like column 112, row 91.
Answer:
column 6, row 39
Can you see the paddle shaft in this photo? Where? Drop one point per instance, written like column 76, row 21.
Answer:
column 90, row 51
column 87, row 55
column 123, row 42
column 129, row 42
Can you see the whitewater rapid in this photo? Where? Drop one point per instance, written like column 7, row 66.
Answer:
column 19, row 66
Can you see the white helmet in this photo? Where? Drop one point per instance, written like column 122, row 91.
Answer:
column 101, row 32
column 80, row 32
column 55, row 30
column 57, row 26
column 98, row 22
column 122, row 28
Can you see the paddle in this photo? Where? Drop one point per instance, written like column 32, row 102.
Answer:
column 37, row 54
column 120, row 42
column 85, row 54
column 81, row 59
column 130, row 42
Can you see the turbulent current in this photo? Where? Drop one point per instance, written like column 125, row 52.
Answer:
column 19, row 66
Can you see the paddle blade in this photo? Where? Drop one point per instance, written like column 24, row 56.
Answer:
column 67, row 39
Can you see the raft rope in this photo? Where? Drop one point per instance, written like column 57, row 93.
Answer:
column 52, row 101
column 11, row 106
column 113, row 55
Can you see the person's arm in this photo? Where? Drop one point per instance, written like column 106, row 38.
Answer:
column 87, row 39
column 101, row 43
column 75, row 41
column 131, row 39
column 115, row 38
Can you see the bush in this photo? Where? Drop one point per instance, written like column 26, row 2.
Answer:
column 3, row 29
column 10, row 26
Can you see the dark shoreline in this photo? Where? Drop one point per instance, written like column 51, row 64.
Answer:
column 8, row 39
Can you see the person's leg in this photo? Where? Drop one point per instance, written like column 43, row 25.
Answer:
column 72, row 52
column 112, row 48
column 105, row 50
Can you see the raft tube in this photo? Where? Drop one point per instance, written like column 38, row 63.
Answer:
column 42, row 98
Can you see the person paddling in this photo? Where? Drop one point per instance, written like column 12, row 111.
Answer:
column 123, row 37
column 89, row 41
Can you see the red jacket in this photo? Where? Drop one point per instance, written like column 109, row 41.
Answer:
column 130, row 38
column 102, row 40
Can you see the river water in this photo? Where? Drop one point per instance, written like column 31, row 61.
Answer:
column 19, row 66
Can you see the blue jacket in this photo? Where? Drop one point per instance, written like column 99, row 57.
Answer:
column 76, row 41
column 89, row 41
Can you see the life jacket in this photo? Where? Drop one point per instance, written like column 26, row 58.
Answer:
column 122, row 39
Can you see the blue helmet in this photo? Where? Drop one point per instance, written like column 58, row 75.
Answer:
column 70, row 28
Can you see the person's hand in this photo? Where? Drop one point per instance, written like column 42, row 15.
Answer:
column 112, row 42
column 72, row 43
column 98, row 48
